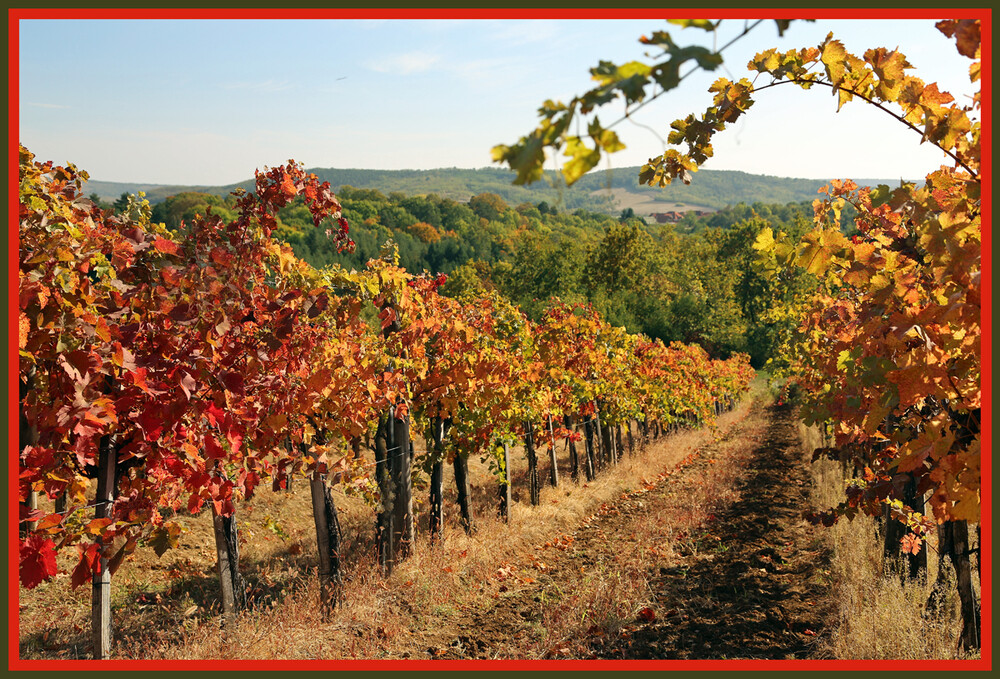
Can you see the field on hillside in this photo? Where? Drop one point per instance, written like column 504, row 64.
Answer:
column 645, row 204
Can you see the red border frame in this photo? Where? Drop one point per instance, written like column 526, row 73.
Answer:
column 12, row 337
column 986, row 320
column 16, row 14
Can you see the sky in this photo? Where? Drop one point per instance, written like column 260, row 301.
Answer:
column 208, row 101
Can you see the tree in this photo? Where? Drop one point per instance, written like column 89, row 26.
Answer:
column 121, row 204
column 489, row 206
column 101, row 203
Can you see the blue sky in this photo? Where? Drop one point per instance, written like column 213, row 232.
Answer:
column 207, row 102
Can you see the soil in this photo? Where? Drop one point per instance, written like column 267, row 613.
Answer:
column 750, row 582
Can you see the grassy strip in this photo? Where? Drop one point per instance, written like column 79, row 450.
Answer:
column 880, row 614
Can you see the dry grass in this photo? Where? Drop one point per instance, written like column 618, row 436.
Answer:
column 167, row 607
column 881, row 615
column 645, row 203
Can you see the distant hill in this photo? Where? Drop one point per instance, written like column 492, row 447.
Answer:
column 600, row 191
column 155, row 193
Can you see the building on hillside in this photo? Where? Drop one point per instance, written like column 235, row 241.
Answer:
column 667, row 217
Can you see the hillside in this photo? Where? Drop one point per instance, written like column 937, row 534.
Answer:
column 708, row 189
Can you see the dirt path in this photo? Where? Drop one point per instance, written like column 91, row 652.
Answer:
column 710, row 559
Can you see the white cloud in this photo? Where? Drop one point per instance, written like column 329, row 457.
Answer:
column 405, row 63
column 486, row 71
column 41, row 105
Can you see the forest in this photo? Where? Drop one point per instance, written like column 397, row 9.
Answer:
column 711, row 188
column 693, row 281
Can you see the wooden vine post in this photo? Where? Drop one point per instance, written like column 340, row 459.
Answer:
column 384, row 516
column 953, row 542
column 394, row 529
column 461, row 465
column 227, row 552
column 590, row 463
column 619, row 449
column 394, row 525
column 602, row 453
column 574, row 460
column 436, row 522
column 553, row 468
column 504, row 488
column 607, row 441
column 534, row 491
column 328, row 539
column 401, row 458
column 27, row 436
column 100, row 606
column 895, row 530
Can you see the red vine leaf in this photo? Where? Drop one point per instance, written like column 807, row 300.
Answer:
column 38, row 560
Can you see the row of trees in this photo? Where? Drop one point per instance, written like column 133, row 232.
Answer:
column 183, row 369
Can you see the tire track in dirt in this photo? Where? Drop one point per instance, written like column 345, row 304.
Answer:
column 763, row 592
column 743, row 577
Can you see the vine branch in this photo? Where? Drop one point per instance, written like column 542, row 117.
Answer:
column 878, row 105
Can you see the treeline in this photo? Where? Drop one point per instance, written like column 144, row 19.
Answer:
column 713, row 188
column 777, row 213
column 692, row 282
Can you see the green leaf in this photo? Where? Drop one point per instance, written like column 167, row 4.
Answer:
column 604, row 139
column 667, row 75
column 833, row 54
column 765, row 240
column 814, row 255
column 703, row 24
column 630, row 78
column 583, row 159
column 704, row 57
column 847, row 356
column 880, row 195
column 527, row 158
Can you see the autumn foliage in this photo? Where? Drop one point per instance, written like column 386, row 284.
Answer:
column 210, row 360
column 889, row 347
